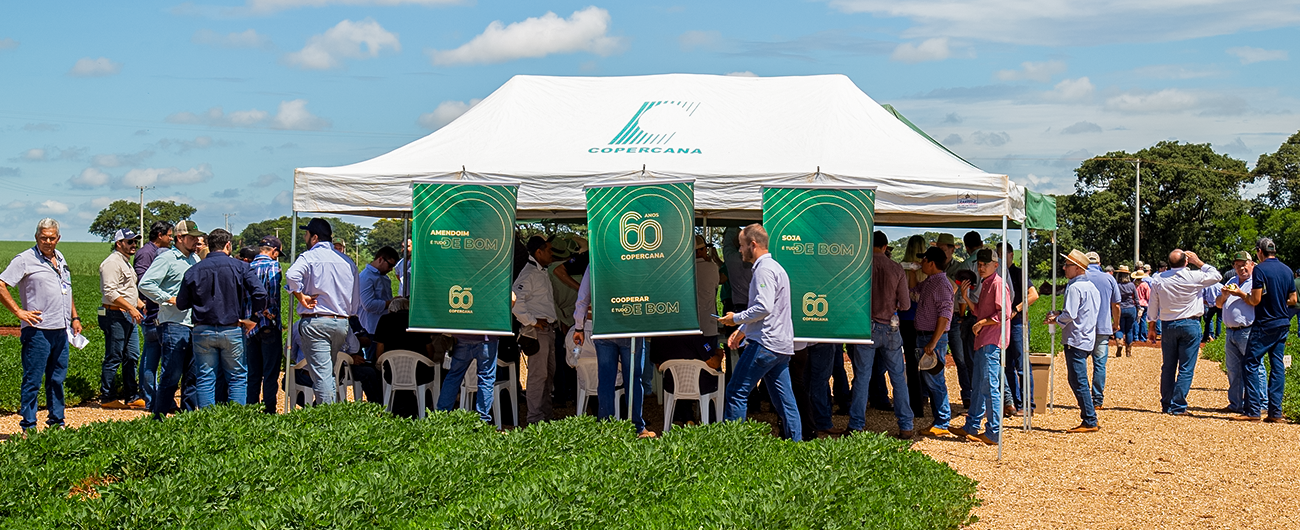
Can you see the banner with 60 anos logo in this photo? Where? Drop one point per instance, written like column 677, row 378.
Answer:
column 822, row 236
column 462, row 236
column 642, row 259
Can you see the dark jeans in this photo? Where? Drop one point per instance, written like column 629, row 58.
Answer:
column 1015, row 369
column 1270, row 341
column 1076, row 365
column 821, row 363
column 265, row 355
column 176, row 370
column 877, row 392
column 151, row 355
column 957, row 345
column 44, row 353
column 1127, row 320
column 120, row 351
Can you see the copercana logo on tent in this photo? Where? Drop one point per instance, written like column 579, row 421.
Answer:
column 967, row 200
column 654, row 124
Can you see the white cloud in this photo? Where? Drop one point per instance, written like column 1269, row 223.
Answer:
column 584, row 31
column 8, row 44
column 101, row 67
column 283, row 198
column 121, row 160
column 169, row 176
column 445, row 113
column 90, row 178
column 52, row 207
column 991, row 139
column 245, row 39
column 265, row 180
column 272, row 6
column 935, row 49
column 1041, row 72
column 952, row 139
column 16, row 205
column 745, row 73
column 216, row 117
column 1081, row 128
column 697, row 39
column 101, row 202
column 1072, row 90
column 34, row 154
column 181, row 146
column 344, row 41
column 1167, row 100
column 1176, row 71
column 294, row 116
column 1248, row 55
column 1098, row 22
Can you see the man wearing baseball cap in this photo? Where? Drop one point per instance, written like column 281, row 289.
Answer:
column 1238, row 316
column 325, row 284
column 161, row 283
column 1272, row 293
column 1107, row 324
column 118, row 316
column 1079, row 317
column 263, row 344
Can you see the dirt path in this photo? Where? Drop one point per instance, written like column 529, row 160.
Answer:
column 1144, row 469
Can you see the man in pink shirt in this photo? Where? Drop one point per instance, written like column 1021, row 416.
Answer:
column 986, row 363
column 1143, row 299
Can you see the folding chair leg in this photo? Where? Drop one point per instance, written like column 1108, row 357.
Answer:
column 419, row 401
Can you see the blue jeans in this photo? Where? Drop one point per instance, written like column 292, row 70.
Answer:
column 1141, row 325
column 1236, row 347
column 986, row 374
column 1127, row 319
column 321, row 337
column 609, row 354
column 176, row 365
column 889, row 344
column 264, row 353
column 1270, row 341
column 465, row 352
column 1076, row 367
column 1100, row 352
column 1180, row 345
column 219, row 350
column 151, row 351
column 821, row 364
column 45, row 354
column 960, row 357
column 759, row 363
column 120, row 351
column 1015, row 370
column 935, row 383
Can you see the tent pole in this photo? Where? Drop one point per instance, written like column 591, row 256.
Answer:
column 1051, row 331
column 998, row 402
column 1026, row 392
column 288, row 344
column 406, row 257
column 631, row 377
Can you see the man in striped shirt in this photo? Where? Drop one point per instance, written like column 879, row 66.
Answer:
column 263, row 344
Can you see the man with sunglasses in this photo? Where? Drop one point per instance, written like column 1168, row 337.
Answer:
column 376, row 292
column 1079, row 317
column 119, row 315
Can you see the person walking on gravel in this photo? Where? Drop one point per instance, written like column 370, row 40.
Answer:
column 118, row 318
column 44, row 284
column 1272, row 292
column 1083, row 305
column 1176, row 303
column 1107, row 324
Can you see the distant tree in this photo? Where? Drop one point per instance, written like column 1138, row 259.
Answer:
column 344, row 231
column 126, row 214
column 1282, row 171
column 385, row 232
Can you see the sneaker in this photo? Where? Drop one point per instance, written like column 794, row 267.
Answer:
column 116, row 404
column 980, row 438
column 935, row 432
column 647, row 434
column 958, row 432
column 136, row 405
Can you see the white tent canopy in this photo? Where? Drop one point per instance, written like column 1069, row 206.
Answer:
column 730, row 134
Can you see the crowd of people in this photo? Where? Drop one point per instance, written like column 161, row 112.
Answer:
column 188, row 311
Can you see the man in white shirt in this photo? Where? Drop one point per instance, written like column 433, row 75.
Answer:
column 1176, row 302
column 325, row 284
column 535, row 309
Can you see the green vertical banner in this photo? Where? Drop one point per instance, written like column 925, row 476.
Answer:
column 822, row 237
column 642, row 259
column 463, row 251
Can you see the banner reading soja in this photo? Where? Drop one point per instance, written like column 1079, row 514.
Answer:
column 822, row 236
column 463, row 248
column 642, row 259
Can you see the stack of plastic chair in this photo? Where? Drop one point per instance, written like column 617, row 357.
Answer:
column 686, row 385
column 401, row 366
column 589, row 383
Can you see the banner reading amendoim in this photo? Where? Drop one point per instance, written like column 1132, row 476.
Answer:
column 642, row 259
column 822, row 236
column 462, row 236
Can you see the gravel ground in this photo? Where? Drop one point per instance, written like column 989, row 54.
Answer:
column 1144, row 469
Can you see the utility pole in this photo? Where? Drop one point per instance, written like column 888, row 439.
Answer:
column 1137, row 213
column 228, row 216
column 142, row 188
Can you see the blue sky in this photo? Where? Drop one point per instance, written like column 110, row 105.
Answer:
column 215, row 104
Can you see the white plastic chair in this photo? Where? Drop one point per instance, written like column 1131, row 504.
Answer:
column 343, row 378
column 686, row 385
column 511, row 385
column 401, row 366
column 292, row 390
column 589, row 384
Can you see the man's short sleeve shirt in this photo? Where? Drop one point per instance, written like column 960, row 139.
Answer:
column 1277, row 281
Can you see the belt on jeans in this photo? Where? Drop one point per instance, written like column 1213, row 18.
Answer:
column 1237, row 328
column 1196, row 318
column 320, row 315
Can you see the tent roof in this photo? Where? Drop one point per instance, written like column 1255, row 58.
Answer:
column 731, row 134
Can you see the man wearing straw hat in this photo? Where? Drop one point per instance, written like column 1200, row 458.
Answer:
column 1143, row 289
column 1176, row 303
column 1079, row 317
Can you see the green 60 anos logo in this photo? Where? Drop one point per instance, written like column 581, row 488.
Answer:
column 460, row 298
column 815, row 305
column 646, row 235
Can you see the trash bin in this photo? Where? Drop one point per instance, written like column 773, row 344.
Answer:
column 1040, row 365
